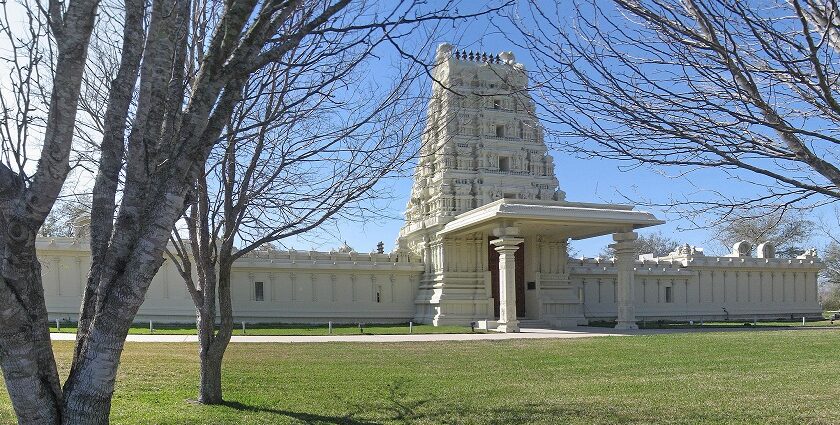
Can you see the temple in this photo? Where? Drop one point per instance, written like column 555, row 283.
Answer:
column 485, row 240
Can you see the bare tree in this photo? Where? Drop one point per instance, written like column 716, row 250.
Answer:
column 830, row 277
column 67, row 217
column 188, row 71
column 787, row 232
column 830, row 299
column 26, row 196
column 656, row 243
column 748, row 90
column 305, row 143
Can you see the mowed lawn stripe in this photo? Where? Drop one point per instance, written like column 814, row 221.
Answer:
column 761, row 377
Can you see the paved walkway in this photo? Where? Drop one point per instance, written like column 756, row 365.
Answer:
column 581, row 332
column 526, row 333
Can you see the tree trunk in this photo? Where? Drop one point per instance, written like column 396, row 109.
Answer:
column 213, row 344
column 26, row 355
column 90, row 386
column 88, row 395
column 210, row 375
column 210, row 358
column 33, row 391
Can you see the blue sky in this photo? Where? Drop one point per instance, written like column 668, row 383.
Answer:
column 587, row 180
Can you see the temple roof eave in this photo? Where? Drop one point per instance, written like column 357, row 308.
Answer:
column 569, row 219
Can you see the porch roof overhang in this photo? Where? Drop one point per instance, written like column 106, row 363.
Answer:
column 573, row 220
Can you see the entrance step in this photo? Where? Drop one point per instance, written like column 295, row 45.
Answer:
column 534, row 324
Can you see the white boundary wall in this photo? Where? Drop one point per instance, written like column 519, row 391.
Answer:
column 316, row 287
column 298, row 286
column 705, row 288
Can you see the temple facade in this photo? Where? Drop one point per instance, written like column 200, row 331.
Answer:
column 485, row 240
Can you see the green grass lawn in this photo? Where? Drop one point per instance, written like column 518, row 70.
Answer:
column 293, row 329
column 760, row 377
column 739, row 323
column 744, row 324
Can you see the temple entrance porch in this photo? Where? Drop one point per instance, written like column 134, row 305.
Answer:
column 514, row 228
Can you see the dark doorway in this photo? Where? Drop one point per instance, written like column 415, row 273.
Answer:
column 493, row 265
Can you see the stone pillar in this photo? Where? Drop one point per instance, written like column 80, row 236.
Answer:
column 506, row 245
column 625, row 259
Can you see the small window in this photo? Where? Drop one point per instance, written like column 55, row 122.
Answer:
column 500, row 131
column 497, row 104
column 259, row 291
column 669, row 294
column 504, row 163
column 378, row 294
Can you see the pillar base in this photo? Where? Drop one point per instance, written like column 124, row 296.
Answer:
column 509, row 327
column 627, row 326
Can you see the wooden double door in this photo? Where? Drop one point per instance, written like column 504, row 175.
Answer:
column 493, row 265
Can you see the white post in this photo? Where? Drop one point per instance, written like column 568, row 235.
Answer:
column 410, row 327
column 506, row 246
column 803, row 320
column 329, row 331
column 58, row 325
column 243, row 326
column 151, row 326
column 625, row 262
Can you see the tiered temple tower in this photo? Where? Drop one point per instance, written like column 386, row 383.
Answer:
column 482, row 143
column 482, row 140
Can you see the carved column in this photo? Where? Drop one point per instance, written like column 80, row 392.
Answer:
column 57, row 262
column 506, row 245
column 625, row 259
column 251, row 290
column 272, row 279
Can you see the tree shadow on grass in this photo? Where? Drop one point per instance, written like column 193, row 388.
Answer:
column 301, row 416
column 393, row 409
column 397, row 404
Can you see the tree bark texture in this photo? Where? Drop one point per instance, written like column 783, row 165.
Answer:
column 213, row 343
column 26, row 353
column 26, row 356
column 168, row 144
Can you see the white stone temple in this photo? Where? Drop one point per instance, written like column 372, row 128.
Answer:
column 485, row 240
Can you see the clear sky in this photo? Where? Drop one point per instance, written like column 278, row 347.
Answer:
column 587, row 180
column 592, row 180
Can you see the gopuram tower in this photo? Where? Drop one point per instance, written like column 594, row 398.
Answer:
column 482, row 140
column 482, row 143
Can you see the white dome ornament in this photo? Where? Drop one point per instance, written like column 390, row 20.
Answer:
column 741, row 249
column 766, row 250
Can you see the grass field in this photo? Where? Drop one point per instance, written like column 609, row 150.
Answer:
column 293, row 329
column 761, row 377
column 739, row 323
